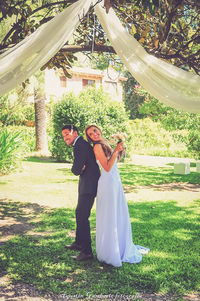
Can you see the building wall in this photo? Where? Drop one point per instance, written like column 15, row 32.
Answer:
column 56, row 84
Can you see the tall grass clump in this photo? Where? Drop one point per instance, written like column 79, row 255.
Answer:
column 10, row 150
column 27, row 136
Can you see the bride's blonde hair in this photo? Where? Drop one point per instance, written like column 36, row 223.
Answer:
column 105, row 145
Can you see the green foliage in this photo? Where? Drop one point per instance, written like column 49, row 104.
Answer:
column 132, row 100
column 15, row 143
column 194, row 142
column 183, row 126
column 27, row 136
column 152, row 107
column 92, row 106
column 102, row 62
column 150, row 138
column 11, row 150
column 171, row 118
column 14, row 110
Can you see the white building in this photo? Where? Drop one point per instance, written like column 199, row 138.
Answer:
column 57, row 84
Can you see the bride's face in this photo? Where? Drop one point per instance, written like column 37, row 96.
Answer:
column 94, row 134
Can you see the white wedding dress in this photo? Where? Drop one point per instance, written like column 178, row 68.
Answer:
column 114, row 243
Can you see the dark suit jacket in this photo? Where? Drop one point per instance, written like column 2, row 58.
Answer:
column 84, row 155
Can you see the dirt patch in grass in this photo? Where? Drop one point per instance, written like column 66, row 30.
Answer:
column 165, row 187
column 176, row 186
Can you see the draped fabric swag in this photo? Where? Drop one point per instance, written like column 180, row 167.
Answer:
column 171, row 85
column 23, row 60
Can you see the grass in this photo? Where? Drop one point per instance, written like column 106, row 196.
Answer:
column 147, row 175
column 47, row 183
column 35, row 229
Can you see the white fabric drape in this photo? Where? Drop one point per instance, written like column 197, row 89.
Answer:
column 171, row 85
column 23, row 60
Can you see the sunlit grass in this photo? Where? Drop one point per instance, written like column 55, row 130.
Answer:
column 147, row 175
column 42, row 259
column 33, row 234
column 50, row 184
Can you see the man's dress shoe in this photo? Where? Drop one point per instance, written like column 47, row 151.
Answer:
column 73, row 246
column 82, row 256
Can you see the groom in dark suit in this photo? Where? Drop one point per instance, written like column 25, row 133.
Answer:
column 86, row 167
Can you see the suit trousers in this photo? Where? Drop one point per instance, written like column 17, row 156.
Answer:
column 83, row 209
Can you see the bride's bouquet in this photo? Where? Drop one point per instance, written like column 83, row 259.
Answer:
column 117, row 138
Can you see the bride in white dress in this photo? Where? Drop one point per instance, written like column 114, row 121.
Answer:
column 114, row 243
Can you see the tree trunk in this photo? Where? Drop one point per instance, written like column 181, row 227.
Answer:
column 40, row 127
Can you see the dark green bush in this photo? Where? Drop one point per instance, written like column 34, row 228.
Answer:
column 92, row 106
column 132, row 100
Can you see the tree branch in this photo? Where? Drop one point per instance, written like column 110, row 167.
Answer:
column 183, row 60
column 80, row 48
column 32, row 13
column 51, row 4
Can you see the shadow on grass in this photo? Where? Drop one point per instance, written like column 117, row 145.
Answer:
column 36, row 254
column 192, row 164
column 15, row 218
column 134, row 175
column 41, row 159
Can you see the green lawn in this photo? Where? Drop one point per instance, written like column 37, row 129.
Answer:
column 37, row 220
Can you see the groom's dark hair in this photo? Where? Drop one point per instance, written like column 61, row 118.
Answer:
column 70, row 127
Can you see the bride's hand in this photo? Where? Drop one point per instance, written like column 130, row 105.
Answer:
column 119, row 147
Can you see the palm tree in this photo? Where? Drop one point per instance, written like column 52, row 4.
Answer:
column 40, row 113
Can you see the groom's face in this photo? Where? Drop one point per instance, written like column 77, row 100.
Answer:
column 69, row 136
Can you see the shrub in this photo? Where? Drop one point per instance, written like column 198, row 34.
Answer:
column 27, row 135
column 150, row 138
column 194, row 142
column 184, row 126
column 92, row 106
column 11, row 150
column 15, row 111
column 132, row 100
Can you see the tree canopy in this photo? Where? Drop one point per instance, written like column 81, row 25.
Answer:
column 168, row 29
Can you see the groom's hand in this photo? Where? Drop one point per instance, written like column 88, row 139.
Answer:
column 83, row 168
